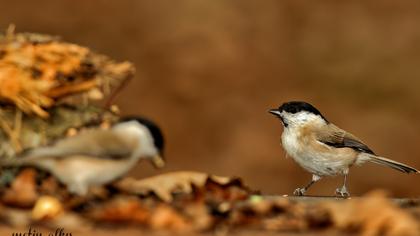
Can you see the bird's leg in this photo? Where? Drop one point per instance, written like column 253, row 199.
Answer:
column 342, row 192
column 302, row 191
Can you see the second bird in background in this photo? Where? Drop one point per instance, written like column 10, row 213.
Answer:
column 97, row 157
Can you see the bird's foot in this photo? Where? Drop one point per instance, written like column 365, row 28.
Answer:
column 342, row 192
column 299, row 192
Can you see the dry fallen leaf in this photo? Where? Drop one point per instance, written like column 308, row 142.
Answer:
column 165, row 217
column 373, row 214
column 166, row 184
column 199, row 216
column 50, row 185
column 23, row 192
column 278, row 214
column 121, row 209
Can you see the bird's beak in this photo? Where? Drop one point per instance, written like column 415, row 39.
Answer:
column 274, row 112
column 158, row 161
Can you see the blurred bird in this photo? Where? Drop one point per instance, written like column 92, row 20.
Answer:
column 96, row 157
column 322, row 148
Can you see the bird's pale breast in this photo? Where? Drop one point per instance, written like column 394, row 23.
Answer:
column 301, row 144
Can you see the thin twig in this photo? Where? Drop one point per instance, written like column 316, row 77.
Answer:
column 74, row 88
column 11, row 133
column 114, row 94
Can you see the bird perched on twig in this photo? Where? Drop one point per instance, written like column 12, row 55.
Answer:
column 96, row 157
column 322, row 148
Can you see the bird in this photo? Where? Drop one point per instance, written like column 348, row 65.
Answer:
column 97, row 157
column 322, row 148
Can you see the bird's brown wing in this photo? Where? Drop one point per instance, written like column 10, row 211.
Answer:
column 336, row 137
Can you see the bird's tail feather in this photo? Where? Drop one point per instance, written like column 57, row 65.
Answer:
column 393, row 164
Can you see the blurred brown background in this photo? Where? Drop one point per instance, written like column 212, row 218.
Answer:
column 208, row 71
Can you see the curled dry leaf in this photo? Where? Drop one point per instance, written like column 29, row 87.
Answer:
column 23, row 192
column 166, row 184
column 373, row 214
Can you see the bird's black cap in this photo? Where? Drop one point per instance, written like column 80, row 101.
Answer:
column 153, row 128
column 298, row 106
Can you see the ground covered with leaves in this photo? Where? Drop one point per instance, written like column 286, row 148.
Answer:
column 193, row 202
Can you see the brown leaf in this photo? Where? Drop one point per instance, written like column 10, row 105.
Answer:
column 166, row 184
column 373, row 214
column 49, row 185
column 278, row 214
column 22, row 192
column 225, row 191
column 284, row 223
column 121, row 209
column 199, row 216
column 165, row 217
